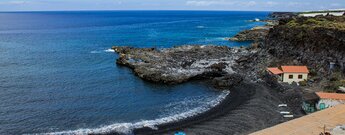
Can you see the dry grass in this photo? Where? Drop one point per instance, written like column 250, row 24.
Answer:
column 319, row 22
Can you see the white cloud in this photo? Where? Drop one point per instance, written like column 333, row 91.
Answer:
column 14, row 2
column 250, row 3
column 271, row 3
column 298, row 4
column 208, row 2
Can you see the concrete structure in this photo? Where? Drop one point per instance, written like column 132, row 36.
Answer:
column 312, row 124
column 290, row 74
column 328, row 100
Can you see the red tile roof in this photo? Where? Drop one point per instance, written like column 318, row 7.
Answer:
column 335, row 96
column 275, row 70
column 295, row 69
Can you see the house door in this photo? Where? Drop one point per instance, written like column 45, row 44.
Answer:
column 322, row 106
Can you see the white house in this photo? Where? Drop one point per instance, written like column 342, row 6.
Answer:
column 290, row 74
column 329, row 100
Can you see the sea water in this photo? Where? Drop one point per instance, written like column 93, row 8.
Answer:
column 58, row 74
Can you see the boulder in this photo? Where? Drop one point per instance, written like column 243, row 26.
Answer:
column 227, row 82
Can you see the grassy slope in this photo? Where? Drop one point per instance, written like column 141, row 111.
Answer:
column 319, row 22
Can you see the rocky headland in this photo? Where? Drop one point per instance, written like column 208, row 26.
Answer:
column 181, row 63
column 254, row 34
column 255, row 95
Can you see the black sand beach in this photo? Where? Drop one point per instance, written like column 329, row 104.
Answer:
column 248, row 108
column 251, row 105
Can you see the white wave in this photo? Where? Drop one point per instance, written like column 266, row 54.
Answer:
column 127, row 128
column 109, row 50
column 222, row 38
column 212, row 39
column 95, row 52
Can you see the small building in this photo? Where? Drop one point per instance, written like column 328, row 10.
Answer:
column 310, row 102
column 290, row 74
column 329, row 100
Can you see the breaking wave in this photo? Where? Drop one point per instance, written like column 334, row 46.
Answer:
column 127, row 128
column 107, row 50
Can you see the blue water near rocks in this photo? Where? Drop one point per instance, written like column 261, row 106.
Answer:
column 58, row 76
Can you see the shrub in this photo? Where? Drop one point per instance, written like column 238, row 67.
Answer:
column 292, row 23
column 336, row 76
column 333, row 79
column 321, row 21
column 313, row 72
column 333, row 86
column 303, row 83
column 312, row 21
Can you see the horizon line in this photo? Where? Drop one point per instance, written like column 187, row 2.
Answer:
column 95, row 10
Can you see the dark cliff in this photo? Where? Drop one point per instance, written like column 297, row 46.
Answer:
column 314, row 42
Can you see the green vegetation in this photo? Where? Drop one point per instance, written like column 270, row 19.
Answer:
column 336, row 80
column 293, row 23
column 303, row 83
column 318, row 22
column 333, row 86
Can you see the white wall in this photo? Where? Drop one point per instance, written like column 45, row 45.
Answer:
column 295, row 77
column 329, row 103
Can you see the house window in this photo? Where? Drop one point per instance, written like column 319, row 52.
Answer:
column 300, row 76
column 290, row 76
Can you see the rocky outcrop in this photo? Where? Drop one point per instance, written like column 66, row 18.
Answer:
column 227, row 81
column 255, row 34
column 282, row 15
column 179, row 64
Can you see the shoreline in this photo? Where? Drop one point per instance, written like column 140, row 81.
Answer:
column 248, row 108
column 252, row 104
column 232, row 101
column 248, row 92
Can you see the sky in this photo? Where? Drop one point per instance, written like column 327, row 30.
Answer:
column 232, row 5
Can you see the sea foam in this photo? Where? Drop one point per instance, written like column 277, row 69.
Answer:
column 127, row 128
column 107, row 50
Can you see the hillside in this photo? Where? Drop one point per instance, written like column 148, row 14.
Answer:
column 314, row 42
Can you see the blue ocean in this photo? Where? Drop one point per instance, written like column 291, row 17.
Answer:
column 58, row 74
